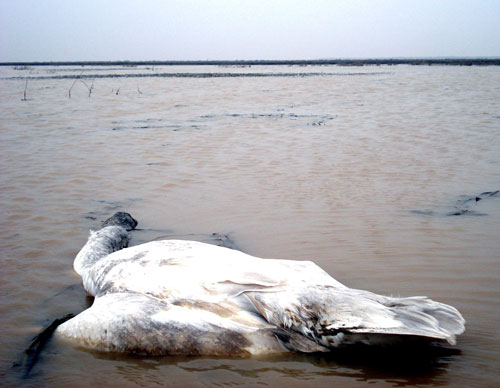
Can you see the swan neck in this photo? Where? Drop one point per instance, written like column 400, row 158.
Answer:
column 100, row 244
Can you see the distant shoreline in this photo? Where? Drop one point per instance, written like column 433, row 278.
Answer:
column 339, row 62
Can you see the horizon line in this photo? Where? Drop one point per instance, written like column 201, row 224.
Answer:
column 463, row 61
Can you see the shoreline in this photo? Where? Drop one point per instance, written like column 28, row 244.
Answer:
column 314, row 62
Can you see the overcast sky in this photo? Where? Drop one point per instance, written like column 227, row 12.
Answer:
column 59, row 30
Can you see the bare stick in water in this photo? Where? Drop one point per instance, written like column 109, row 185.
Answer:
column 90, row 88
column 25, row 88
column 69, row 91
column 73, row 84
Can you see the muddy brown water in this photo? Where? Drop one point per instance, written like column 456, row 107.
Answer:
column 354, row 168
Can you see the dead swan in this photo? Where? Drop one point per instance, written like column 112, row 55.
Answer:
column 189, row 298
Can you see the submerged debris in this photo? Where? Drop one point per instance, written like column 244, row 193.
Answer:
column 464, row 206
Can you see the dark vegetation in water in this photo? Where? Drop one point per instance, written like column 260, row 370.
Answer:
column 173, row 127
column 157, row 123
column 269, row 115
column 464, row 206
column 188, row 75
column 298, row 62
column 316, row 119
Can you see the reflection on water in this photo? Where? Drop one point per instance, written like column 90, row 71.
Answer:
column 421, row 365
column 356, row 171
column 415, row 365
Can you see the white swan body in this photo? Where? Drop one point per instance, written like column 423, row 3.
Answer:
column 189, row 298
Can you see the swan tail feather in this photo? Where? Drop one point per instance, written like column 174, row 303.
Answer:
column 296, row 342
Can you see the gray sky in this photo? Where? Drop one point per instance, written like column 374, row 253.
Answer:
column 58, row 30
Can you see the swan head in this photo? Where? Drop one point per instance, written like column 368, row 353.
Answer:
column 125, row 220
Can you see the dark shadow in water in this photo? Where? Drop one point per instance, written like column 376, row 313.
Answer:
column 106, row 208
column 415, row 363
column 142, row 235
column 401, row 366
column 219, row 239
column 38, row 343
column 73, row 295
column 73, row 292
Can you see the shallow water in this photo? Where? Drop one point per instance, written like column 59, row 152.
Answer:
column 355, row 168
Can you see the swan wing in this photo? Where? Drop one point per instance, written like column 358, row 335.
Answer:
column 142, row 324
column 332, row 316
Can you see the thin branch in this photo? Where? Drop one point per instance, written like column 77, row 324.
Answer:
column 74, row 82
column 25, row 88
column 69, row 91
column 90, row 88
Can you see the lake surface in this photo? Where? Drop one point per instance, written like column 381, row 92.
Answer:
column 356, row 168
